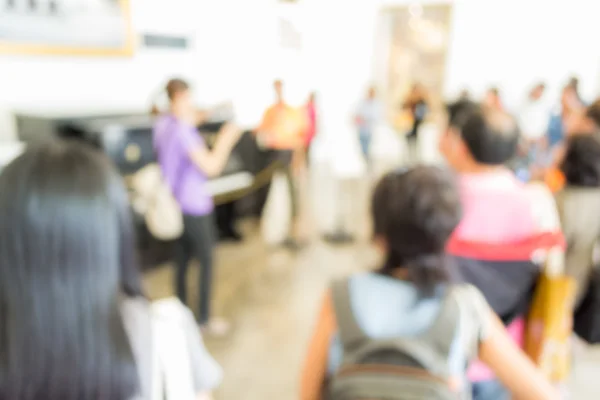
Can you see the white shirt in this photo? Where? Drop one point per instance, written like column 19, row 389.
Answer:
column 534, row 116
column 370, row 112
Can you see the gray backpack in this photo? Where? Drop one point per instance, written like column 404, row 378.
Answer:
column 395, row 369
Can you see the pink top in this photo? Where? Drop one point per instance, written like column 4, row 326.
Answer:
column 311, row 131
column 497, row 210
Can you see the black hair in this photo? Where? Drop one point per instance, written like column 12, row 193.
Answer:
column 415, row 212
column 593, row 113
column 66, row 261
column 581, row 164
column 459, row 107
column 491, row 136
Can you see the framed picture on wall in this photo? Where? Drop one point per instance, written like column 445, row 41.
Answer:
column 413, row 50
column 66, row 27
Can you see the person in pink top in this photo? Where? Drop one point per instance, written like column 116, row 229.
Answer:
column 311, row 130
column 496, row 206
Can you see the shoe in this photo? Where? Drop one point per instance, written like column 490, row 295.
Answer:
column 339, row 238
column 293, row 244
column 231, row 236
column 216, row 327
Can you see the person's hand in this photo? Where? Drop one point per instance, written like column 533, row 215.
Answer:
column 200, row 117
column 230, row 134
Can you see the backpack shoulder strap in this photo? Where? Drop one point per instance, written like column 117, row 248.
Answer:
column 444, row 329
column 421, row 351
column 349, row 330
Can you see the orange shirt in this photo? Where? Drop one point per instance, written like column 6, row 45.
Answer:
column 555, row 180
column 284, row 126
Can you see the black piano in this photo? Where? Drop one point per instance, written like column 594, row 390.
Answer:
column 127, row 140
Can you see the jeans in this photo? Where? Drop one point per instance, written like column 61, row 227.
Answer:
column 365, row 143
column 489, row 390
column 198, row 240
column 412, row 150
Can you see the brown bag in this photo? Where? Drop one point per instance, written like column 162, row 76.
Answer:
column 550, row 322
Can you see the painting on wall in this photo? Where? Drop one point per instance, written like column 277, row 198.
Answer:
column 416, row 45
column 66, row 27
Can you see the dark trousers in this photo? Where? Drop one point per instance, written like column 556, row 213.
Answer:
column 226, row 218
column 198, row 240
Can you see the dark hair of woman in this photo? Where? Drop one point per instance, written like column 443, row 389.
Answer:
column 66, row 261
column 581, row 164
column 415, row 212
column 593, row 113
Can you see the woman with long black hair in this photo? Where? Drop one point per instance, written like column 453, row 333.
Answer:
column 74, row 324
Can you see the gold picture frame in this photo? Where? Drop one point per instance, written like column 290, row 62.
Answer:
column 124, row 48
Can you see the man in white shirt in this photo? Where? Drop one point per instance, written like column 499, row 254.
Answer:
column 368, row 115
column 534, row 117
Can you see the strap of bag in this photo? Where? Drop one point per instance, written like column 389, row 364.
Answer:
column 169, row 141
column 469, row 301
column 349, row 330
column 444, row 330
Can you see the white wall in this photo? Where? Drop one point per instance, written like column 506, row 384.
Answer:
column 508, row 43
column 234, row 54
column 90, row 84
column 48, row 84
column 229, row 42
column 514, row 43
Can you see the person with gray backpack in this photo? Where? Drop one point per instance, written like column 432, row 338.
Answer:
column 406, row 331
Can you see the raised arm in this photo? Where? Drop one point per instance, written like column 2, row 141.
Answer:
column 212, row 162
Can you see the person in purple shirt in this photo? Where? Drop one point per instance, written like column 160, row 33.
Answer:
column 186, row 165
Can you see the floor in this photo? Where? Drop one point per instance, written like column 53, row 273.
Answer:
column 271, row 297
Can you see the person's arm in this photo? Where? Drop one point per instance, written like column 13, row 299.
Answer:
column 512, row 367
column 201, row 116
column 212, row 162
column 314, row 371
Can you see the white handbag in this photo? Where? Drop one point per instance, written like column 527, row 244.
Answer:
column 171, row 368
column 156, row 202
column 276, row 217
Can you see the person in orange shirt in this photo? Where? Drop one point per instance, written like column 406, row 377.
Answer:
column 283, row 129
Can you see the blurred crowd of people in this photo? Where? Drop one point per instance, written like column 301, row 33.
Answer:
column 448, row 303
